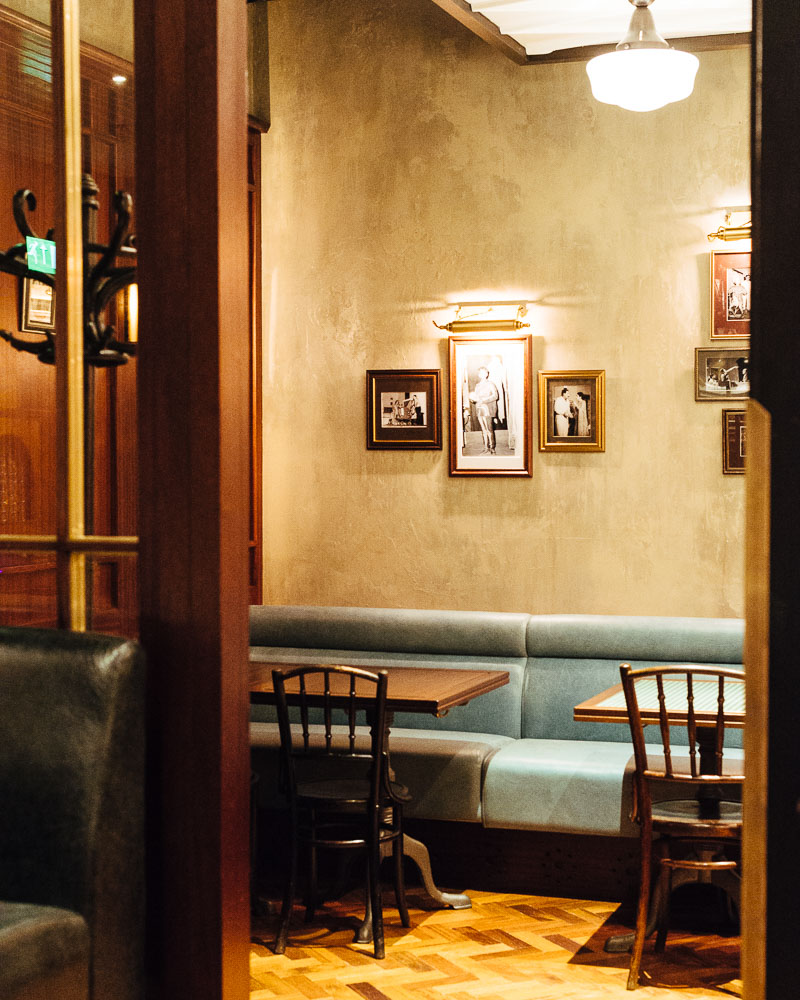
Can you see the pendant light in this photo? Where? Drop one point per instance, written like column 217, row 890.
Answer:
column 644, row 72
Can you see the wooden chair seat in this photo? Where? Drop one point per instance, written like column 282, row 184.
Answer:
column 698, row 818
column 342, row 791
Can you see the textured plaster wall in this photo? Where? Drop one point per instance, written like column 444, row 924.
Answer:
column 409, row 165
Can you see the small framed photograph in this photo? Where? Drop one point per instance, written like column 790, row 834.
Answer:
column 490, row 406
column 404, row 408
column 734, row 441
column 38, row 306
column 572, row 411
column 730, row 295
column 721, row 373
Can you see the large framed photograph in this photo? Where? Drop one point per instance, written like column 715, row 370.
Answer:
column 721, row 373
column 404, row 408
column 734, row 441
column 490, row 406
column 572, row 411
column 37, row 306
column 730, row 295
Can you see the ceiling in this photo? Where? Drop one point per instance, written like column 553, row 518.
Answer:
column 555, row 30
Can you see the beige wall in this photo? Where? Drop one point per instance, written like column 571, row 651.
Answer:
column 410, row 165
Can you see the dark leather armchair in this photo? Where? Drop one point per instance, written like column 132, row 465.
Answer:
column 71, row 824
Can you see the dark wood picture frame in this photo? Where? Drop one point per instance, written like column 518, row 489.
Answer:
column 497, row 442
column 404, row 408
column 37, row 306
column 581, row 425
column 722, row 374
column 734, row 442
column 730, row 294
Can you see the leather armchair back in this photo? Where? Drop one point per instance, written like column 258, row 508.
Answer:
column 72, row 788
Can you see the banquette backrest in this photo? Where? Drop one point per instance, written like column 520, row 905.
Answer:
column 554, row 661
column 380, row 637
column 573, row 657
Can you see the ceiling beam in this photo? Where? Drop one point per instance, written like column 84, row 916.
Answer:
column 489, row 32
column 485, row 29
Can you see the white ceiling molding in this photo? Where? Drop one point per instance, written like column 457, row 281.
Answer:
column 551, row 30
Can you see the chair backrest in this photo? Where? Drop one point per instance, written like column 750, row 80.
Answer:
column 342, row 692
column 692, row 697
column 72, row 789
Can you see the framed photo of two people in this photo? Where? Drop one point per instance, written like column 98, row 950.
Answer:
column 490, row 406
column 572, row 411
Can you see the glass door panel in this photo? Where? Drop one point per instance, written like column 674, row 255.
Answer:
column 27, row 386
column 100, row 590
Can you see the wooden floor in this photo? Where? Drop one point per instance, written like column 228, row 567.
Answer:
column 507, row 947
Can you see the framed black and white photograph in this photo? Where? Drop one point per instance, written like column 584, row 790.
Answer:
column 730, row 295
column 37, row 306
column 734, row 442
column 572, row 411
column 404, row 408
column 721, row 373
column 490, row 406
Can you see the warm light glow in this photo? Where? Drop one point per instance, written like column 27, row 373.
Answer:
column 133, row 313
column 118, row 78
column 642, row 79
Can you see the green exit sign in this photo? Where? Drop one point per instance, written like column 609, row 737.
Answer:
column 41, row 254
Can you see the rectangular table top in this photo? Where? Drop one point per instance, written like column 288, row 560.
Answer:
column 609, row 705
column 433, row 690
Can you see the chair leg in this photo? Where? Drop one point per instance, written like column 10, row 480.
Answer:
column 374, row 883
column 641, row 910
column 311, row 888
column 665, row 877
column 399, row 875
column 311, row 892
column 288, row 896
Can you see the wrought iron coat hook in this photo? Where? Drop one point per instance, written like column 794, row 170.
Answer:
column 102, row 280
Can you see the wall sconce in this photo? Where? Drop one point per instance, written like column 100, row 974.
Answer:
column 644, row 72
column 459, row 325
column 738, row 226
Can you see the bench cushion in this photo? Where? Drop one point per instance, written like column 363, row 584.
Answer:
column 398, row 630
column 646, row 638
column 565, row 786
column 443, row 771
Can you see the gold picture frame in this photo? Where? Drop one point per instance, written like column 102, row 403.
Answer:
column 572, row 410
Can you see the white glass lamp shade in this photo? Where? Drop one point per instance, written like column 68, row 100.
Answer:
column 642, row 79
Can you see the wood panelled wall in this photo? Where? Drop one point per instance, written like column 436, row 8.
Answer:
column 27, row 388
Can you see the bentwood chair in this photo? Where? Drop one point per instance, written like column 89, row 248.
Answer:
column 688, row 795
column 338, row 782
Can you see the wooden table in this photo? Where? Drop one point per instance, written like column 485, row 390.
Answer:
column 609, row 706
column 432, row 691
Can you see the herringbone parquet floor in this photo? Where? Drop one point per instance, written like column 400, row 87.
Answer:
column 507, row 947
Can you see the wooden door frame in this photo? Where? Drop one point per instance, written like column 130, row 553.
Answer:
column 193, row 478
column 771, row 918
